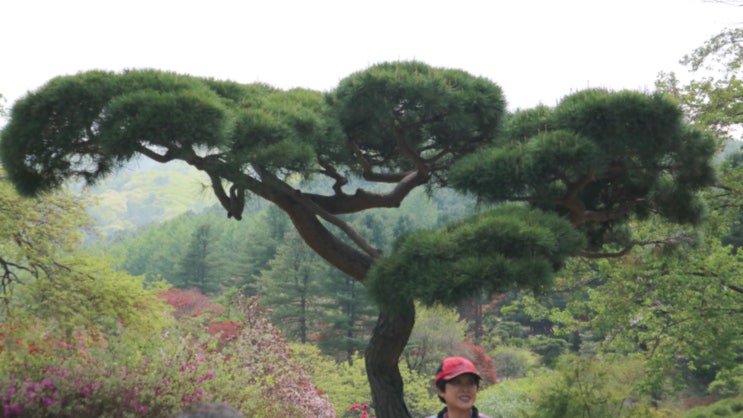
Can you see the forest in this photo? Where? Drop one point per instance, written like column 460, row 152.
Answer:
column 130, row 290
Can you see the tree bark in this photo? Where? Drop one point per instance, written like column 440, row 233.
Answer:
column 386, row 345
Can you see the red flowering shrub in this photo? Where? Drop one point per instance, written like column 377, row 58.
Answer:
column 362, row 408
column 189, row 302
column 227, row 331
column 484, row 364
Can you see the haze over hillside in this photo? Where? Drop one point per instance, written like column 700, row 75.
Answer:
column 146, row 192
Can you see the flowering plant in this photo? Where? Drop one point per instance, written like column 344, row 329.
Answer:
column 45, row 374
column 363, row 408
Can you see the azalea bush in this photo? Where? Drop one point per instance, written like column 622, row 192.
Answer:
column 361, row 409
column 45, row 374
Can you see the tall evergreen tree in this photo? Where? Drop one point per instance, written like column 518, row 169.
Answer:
column 195, row 270
column 290, row 286
column 348, row 315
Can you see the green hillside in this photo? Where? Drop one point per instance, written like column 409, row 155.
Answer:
column 148, row 193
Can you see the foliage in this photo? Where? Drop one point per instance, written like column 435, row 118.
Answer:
column 347, row 316
column 197, row 265
column 311, row 301
column 728, row 382
column 513, row 362
column 90, row 375
column 593, row 388
column 507, row 399
column 484, row 364
column 677, row 308
column 85, row 320
column 598, row 158
column 345, row 383
column 88, row 295
column 145, row 252
column 420, row 395
column 438, row 332
column 494, row 251
column 189, row 303
column 447, row 112
column 548, row 348
column 345, row 312
column 35, row 234
column 732, row 408
column 158, row 251
column 714, row 99
column 260, row 359
column 291, row 287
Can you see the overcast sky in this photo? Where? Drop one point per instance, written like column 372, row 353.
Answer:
column 536, row 50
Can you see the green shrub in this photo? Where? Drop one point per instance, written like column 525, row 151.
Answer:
column 721, row 411
column 697, row 414
column 507, row 399
column 732, row 408
column 604, row 387
column 728, row 382
column 513, row 362
column 346, row 385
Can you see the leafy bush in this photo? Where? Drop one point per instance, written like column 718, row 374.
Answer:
column 438, row 332
column 513, row 362
column 549, row 348
column 605, row 387
column 507, row 399
column 346, row 384
column 728, row 382
column 420, row 395
column 343, row 384
column 729, row 408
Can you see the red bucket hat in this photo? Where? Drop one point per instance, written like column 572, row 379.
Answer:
column 452, row 367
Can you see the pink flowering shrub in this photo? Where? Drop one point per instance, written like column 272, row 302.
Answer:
column 260, row 358
column 86, row 375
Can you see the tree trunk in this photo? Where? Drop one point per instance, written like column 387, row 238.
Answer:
column 383, row 353
column 392, row 331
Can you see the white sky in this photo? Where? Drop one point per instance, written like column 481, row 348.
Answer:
column 536, row 50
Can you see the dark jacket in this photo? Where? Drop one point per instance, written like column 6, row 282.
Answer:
column 475, row 414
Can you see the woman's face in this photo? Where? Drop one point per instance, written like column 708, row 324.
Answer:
column 460, row 393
